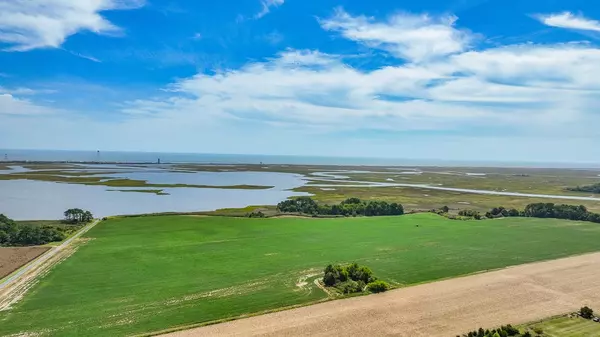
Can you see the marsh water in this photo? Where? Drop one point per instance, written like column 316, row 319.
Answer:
column 40, row 200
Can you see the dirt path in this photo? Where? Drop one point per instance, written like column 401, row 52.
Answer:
column 14, row 287
column 514, row 295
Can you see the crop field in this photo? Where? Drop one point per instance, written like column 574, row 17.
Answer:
column 143, row 274
column 13, row 258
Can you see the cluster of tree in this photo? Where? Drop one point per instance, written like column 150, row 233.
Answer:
column 14, row 234
column 595, row 188
column 586, row 312
column 352, row 279
column 77, row 216
column 258, row 214
column 569, row 212
column 498, row 212
column 348, row 207
column 503, row 331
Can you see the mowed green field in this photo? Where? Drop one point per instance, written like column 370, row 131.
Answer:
column 568, row 327
column 144, row 274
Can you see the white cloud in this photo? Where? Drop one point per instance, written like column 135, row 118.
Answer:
column 570, row 21
column 10, row 105
column 266, row 7
column 20, row 91
column 411, row 37
column 31, row 24
column 547, row 93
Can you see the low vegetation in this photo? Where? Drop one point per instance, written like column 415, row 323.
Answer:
column 503, row 331
column 14, row 234
column 570, row 325
column 537, row 210
column 115, row 274
column 27, row 233
column 348, row 207
column 595, row 188
column 586, row 312
column 352, row 279
column 84, row 178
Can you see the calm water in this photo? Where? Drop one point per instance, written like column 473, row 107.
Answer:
column 139, row 157
column 37, row 200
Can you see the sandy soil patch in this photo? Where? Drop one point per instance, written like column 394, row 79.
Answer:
column 514, row 295
column 13, row 258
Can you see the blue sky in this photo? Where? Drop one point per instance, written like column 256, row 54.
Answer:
column 454, row 79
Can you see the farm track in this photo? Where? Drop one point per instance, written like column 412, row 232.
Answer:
column 13, row 287
column 513, row 295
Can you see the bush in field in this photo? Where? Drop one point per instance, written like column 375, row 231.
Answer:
column 258, row 214
column 470, row 213
column 350, row 287
column 378, row 286
column 586, row 312
column 347, row 279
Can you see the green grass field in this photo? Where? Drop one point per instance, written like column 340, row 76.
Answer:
column 568, row 327
column 144, row 274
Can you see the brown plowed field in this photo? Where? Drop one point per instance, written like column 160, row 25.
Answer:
column 514, row 295
column 13, row 258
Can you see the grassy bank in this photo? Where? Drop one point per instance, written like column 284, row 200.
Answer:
column 78, row 178
column 143, row 274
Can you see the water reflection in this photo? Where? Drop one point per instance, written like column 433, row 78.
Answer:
column 37, row 200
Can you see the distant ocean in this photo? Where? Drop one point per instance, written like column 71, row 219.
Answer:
column 205, row 158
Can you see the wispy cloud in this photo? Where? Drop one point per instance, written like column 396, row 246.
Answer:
column 266, row 7
column 11, row 105
column 27, row 25
column 197, row 36
column 569, row 20
column 20, row 91
column 273, row 37
column 87, row 57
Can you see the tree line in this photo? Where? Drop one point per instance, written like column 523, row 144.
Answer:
column 595, row 188
column 503, row 331
column 536, row 210
column 14, row 234
column 348, row 207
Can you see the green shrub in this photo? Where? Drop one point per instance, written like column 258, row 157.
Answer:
column 378, row 286
column 350, row 287
column 586, row 312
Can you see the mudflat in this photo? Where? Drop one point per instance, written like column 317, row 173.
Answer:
column 513, row 295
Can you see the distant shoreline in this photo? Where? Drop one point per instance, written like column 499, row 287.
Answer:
column 132, row 157
column 341, row 165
